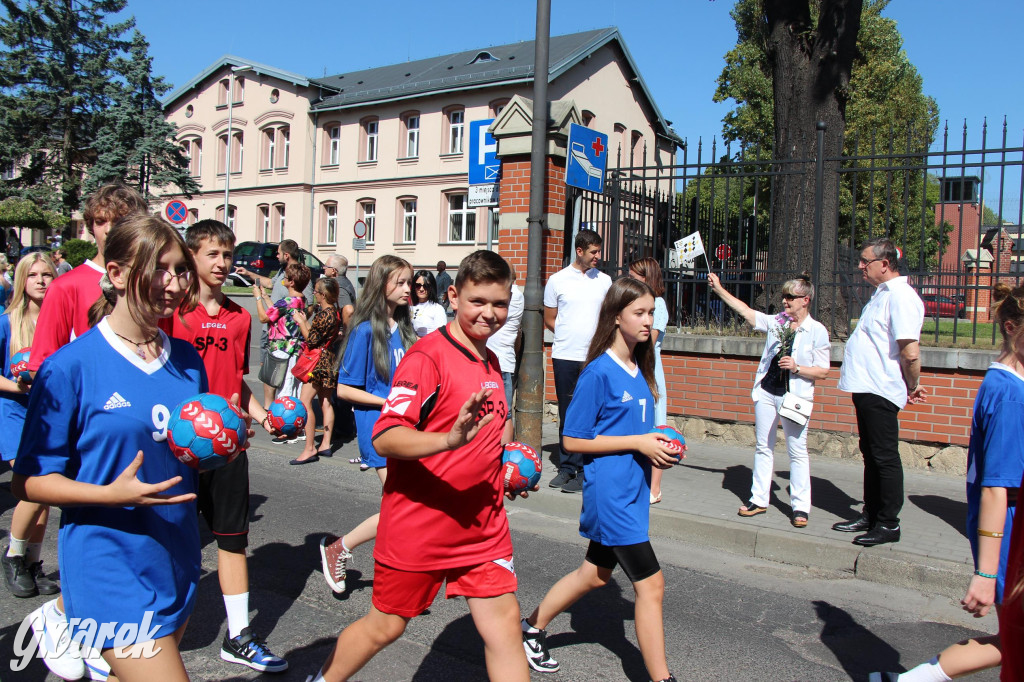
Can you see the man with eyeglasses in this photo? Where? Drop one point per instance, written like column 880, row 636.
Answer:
column 882, row 369
column 336, row 266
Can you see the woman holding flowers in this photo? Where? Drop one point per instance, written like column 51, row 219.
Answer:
column 796, row 354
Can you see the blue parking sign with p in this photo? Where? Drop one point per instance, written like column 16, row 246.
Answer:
column 484, row 167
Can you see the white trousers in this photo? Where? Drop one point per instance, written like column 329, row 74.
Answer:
column 766, row 421
column 291, row 386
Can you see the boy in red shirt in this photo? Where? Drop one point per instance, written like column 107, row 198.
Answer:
column 442, row 519
column 65, row 312
column 219, row 329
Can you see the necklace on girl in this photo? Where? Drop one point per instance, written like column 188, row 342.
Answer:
column 139, row 345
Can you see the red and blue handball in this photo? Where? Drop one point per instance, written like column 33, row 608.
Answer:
column 676, row 440
column 520, row 468
column 206, row 431
column 287, row 416
column 19, row 365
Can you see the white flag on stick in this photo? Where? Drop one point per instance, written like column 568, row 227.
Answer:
column 690, row 247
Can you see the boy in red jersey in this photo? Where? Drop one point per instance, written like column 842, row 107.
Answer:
column 441, row 517
column 65, row 312
column 219, row 329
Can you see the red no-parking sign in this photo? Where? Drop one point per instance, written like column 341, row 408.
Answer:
column 176, row 212
column 723, row 252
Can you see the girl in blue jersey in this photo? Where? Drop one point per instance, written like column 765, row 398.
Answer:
column 377, row 337
column 995, row 466
column 609, row 420
column 129, row 539
column 23, row 568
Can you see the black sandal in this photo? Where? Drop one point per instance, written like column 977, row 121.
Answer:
column 751, row 509
column 799, row 519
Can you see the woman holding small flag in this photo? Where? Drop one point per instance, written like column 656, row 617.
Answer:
column 796, row 354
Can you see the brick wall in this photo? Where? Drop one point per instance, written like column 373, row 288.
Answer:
column 515, row 199
column 718, row 387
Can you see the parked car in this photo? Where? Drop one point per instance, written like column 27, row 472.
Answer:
column 943, row 306
column 261, row 258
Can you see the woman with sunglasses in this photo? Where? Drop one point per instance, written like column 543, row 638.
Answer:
column 796, row 354
column 427, row 313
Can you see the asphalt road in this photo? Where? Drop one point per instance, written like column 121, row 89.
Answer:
column 726, row 617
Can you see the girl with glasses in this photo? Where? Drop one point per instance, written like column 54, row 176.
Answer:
column 427, row 313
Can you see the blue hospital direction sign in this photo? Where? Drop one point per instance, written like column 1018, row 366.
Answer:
column 588, row 158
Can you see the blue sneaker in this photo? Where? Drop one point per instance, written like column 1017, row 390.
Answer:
column 249, row 649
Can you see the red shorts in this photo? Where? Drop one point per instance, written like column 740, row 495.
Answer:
column 409, row 593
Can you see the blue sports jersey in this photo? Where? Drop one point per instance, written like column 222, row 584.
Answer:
column 610, row 400
column 995, row 456
column 358, row 370
column 12, row 405
column 98, row 404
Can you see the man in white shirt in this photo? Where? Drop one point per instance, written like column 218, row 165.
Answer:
column 882, row 368
column 504, row 341
column 572, row 302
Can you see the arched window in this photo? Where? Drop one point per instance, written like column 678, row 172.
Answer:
column 454, row 130
column 411, row 134
column 368, row 131
column 329, row 222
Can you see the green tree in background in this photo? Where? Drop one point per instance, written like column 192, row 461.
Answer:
column 56, row 64
column 135, row 144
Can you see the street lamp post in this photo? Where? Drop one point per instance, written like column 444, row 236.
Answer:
column 227, row 152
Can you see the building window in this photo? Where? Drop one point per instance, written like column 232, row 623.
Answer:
column 236, row 153
column 193, row 216
column 456, row 130
column 275, row 148
column 409, row 221
column 269, row 148
column 264, row 226
column 239, row 90
column 493, row 220
column 461, row 219
column 285, row 137
column 333, row 145
column 193, row 150
column 369, row 130
column 222, row 92
column 619, row 138
column 636, row 148
column 588, row 118
column 275, row 95
column 497, row 106
column 230, row 221
column 278, row 222
column 330, row 223
column 189, row 111
column 370, row 218
column 411, row 123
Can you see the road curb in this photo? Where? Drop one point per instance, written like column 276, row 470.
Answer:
column 884, row 565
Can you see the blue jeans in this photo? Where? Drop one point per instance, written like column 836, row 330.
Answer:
column 567, row 373
column 509, row 380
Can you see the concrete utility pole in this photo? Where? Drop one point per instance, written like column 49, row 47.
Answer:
column 530, row 405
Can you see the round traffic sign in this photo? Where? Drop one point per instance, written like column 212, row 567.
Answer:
column 176, row 212
column 359, row 229
column 723, row 252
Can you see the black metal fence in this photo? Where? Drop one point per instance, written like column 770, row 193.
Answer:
column 954, row 210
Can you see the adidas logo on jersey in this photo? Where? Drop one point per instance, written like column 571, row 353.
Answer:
column 626, row 397
column 115, row 401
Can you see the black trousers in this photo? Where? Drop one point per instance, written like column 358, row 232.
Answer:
column 879, row 427
column 567, row 373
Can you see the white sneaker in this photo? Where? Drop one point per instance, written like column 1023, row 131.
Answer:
column 53, row 637
column 95, row 665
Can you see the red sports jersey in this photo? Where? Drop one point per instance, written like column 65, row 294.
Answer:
column 65, row 312
column 443, row 511
column 222, row 342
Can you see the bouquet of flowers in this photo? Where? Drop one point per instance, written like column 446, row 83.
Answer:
column 785, row 333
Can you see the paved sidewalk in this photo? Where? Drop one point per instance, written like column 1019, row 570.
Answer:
column 700, row 498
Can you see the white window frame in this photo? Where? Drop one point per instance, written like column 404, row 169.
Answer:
column 334, row 151
column 286, row 133
column 265, row 220
column 280, row 221
column 331, row 223
column 370, row 218
column 493, row 222
column 409, row 221
column 467, row 214
column 456, row 131
column 230, row 221
column 372, row 131
column 412, row 136
column 271, row 147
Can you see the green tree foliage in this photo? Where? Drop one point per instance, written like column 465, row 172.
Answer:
column 77, row 251
column 55, row 68
column 135, row 144
column 16, row 212
column 883, row 113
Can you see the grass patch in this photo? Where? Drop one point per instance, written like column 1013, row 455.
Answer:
column 237, row 291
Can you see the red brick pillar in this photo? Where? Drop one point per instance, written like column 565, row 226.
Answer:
column 515, row 204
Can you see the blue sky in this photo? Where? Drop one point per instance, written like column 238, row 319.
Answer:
column 968, row 53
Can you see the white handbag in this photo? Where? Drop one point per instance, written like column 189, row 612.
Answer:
column 795, row 408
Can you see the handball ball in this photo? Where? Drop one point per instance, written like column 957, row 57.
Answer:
column 520, row 468
column 676, row 439
column 287, row 416
column 19, row 365
column 206, row 431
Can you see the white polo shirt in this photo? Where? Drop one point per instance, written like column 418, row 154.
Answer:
column 578, row 297
column 871, row 363
column 503, row 341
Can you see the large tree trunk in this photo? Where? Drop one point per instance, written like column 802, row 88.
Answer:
column 810, row 78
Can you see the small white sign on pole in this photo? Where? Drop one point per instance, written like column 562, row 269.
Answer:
column 483, row 195
column 358, row 244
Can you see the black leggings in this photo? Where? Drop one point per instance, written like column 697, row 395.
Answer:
column 637, row 561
